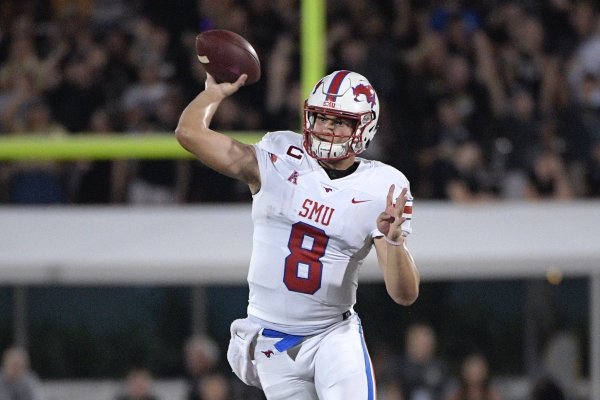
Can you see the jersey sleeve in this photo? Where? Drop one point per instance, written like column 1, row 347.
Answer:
column 402, row 182
column 407, row 213
column 263, row 156
column 278, row 142
column 271, row 147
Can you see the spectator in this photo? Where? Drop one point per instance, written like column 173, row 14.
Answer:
column 76, row 98
column 585, row 59
column 562, row 361
column 205, row 380
column 546, row 389
column 583, row 124
column 201, row 359
column 463, row 176
column 521, row 129
column 22, row 57
column 423, row 376
column 19, row 91
column 386, row 363
column 470, row 96
column 282, row 99
column 215, row 386
column 138, row 386
column 154, row 181
column 588, row 106
column 592, row 180
column 118, row 73
column 548, row 179
column 524, row 60
column 450, row 13
column 145, row 95
column 97, row 181
column 37, row 182
column 475, row 380
column 17, row 380
column 77, row 61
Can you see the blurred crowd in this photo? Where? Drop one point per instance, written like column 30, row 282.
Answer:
column 416, row 372
column 480, row 100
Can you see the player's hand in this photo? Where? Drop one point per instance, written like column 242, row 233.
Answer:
column 224, row 89
column 390, row 221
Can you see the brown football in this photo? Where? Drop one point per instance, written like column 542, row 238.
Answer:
column 226, row 55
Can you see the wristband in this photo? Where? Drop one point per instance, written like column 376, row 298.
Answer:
column 392, row 242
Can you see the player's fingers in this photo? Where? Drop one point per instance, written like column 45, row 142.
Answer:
column 390, row 195
column 231, row 88
column 209, row 80
column 384, row 216
column 402, row 199
column 399, row 221
column 241, row 80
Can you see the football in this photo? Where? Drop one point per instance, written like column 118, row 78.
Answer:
column 226, row 55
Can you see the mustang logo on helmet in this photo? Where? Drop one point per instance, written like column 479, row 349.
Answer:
column 365, row 90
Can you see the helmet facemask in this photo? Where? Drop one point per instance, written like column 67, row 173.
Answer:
column 329, row 145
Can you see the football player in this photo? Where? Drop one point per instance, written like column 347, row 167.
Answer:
column 318, row 209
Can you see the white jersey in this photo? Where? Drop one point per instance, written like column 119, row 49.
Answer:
column 311, row 234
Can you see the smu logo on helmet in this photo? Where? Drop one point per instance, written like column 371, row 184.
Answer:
column 364, row 90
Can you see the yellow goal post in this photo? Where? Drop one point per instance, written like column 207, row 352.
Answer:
column 90, row 146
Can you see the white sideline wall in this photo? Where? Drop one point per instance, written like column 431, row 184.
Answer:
column 212, row 243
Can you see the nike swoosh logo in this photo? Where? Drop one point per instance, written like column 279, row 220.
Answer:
column 354, row 201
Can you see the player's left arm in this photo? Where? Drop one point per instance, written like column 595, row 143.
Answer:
column 400, row 273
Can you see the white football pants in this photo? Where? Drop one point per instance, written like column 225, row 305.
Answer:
column 333, row 365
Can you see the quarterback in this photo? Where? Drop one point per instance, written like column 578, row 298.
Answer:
column 317, row 210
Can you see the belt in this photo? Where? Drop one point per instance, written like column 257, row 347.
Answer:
column 288, row 341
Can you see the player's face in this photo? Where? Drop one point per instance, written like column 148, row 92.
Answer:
column 340, row 128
